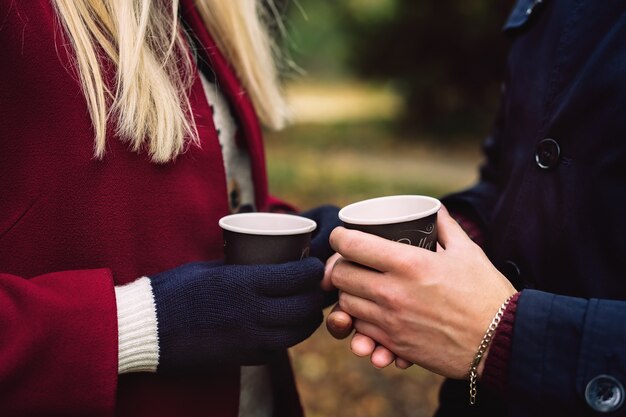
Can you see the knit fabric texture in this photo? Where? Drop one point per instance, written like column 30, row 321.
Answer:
column 210, row 314
column 138, row 345
column 327, row 218
column 496, row 373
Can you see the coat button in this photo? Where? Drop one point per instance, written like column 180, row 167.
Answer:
column 547, row 154
column 604, row 394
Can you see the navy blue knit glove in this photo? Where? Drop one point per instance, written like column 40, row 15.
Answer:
column 210, row 314
column 327, row 218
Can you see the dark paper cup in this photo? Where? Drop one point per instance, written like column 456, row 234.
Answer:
column 410, row 219
column 265, row 238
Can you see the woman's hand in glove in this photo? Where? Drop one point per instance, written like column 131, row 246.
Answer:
column 210, row 313
column 327, row 218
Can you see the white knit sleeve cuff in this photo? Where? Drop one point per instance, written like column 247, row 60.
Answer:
column 137, row 327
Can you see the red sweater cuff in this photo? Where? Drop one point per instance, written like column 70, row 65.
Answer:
column 496, row 373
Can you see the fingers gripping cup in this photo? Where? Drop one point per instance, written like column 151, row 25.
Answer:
column 266, row 238
column 410, row 219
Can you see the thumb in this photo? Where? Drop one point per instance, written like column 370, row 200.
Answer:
column 339, row 323
column 448, row 230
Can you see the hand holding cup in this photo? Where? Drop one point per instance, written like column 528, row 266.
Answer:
column 429, row 308
column 410, row 219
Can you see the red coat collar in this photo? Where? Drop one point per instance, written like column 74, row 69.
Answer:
column 239, row 99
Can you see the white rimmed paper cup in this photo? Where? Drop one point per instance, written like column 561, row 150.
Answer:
column 410, row 219
column 265, row 238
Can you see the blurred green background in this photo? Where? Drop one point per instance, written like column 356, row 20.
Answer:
column 389, row 97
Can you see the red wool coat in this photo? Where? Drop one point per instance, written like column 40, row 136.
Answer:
column 72, row 227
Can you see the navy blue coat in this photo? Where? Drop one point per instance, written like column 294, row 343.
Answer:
column 552, row 199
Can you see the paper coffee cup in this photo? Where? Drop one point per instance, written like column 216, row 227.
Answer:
column 410, row 219
column 265, row 238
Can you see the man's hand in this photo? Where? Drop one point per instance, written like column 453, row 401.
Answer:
column 340, row 325
column 430, row 308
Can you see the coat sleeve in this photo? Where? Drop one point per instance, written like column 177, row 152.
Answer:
column 568, row 355
column 58, row 344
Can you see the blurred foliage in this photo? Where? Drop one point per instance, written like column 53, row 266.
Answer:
column 335, row 383
column 341, row 163
column 445, row 57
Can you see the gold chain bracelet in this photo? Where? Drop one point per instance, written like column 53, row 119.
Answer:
column 482, row 348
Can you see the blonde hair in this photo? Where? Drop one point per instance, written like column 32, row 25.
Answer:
column 142, row 39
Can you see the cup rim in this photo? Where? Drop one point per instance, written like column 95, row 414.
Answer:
column 389, row 220
column 308, row 225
